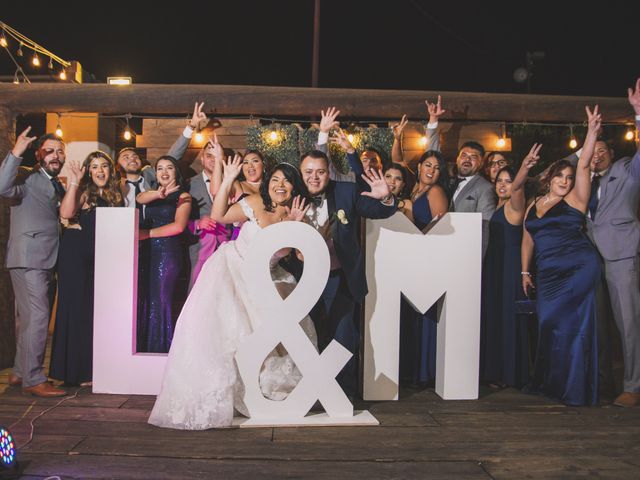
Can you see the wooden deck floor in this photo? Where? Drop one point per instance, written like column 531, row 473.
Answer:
column 505, row 434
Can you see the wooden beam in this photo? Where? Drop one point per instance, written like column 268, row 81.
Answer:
column 7, row 321
column 302, row 102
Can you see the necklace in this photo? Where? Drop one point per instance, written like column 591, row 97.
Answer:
column 548, row 198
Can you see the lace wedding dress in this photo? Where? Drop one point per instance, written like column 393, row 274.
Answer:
column 201, row 384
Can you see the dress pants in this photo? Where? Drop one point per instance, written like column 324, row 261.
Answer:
column 31, row 290
column 624, row 291
column 334, row 317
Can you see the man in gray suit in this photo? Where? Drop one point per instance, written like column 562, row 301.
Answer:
column 472, row 192
column 32, row 252
column 614, row 227
column 207, row 234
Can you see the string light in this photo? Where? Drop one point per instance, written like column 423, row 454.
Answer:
column 63, row 75
column 127, row 131
column 20, row 53
column 35, row 60
column 3, row 41
column 502, row 139
column 59, row 131
column 629, row 134
column 423, row 141
column 350, row 137
column 50, row 66
column 199, row 137
column 573, row 143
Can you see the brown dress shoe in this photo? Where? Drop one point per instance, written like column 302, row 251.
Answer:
column 15, row 380
column 627, row 399
column 44, row 389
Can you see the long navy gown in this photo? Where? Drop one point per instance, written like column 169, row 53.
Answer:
column 72, row 347
column 418, row 332
column 166, row 260
column 505, row 342
column 566, row 366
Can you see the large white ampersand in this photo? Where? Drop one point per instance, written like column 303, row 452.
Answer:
column 279, row 323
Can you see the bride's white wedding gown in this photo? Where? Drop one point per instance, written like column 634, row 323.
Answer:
column 201, row 384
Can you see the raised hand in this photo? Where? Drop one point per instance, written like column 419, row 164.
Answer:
column 399, row 127
column 634, row 97
column 168, row 189
column 218, row 151
column 297, row 211
column 379, row 188
column 22, row 143
column 594, row 119
column 76, row 172
column 199, row 119
column 328, row 119
column 342, row 140
column 435, row 110
column 532, row 157
column 232, row 168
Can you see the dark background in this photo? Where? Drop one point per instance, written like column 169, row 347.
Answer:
column 403, row 44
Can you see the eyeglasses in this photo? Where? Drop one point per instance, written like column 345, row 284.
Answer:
column 498, row 163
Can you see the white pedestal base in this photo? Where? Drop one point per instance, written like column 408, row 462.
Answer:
column 360, row 418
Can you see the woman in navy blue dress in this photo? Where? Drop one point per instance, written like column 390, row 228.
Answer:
column 505, row 343
column 568, row 268
column 418, row 332
column 166, row 215
column 93, row 185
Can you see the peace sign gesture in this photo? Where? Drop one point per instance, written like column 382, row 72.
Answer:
column 532, row 157
column 218, row 151
column 168, row 189
column 22, row 143
column 199, row 119
column 398, row 128
column 594, row 119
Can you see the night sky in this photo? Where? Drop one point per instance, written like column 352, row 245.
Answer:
column 403, row 44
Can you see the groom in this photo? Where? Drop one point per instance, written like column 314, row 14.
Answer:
column 336, row 213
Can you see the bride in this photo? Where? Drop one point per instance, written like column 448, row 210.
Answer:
column 201, row 385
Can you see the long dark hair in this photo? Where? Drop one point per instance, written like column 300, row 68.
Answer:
column 553, row 171
column 292, row 174
column 111, row 193
column 179, row 178
column 405, row 177
column 258, row 154
column 443, row 180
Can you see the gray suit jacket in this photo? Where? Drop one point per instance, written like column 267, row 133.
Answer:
column 34, row 234
column 616, row 229
column 477, row 196
column 202, row 244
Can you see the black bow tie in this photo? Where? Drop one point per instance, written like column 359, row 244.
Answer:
column 57, row 186
column 317, row 201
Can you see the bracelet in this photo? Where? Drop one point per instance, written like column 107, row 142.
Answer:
column 526, row 273
column 74, row 184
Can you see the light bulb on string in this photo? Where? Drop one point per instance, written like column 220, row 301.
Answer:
column 63, row 75
column 350, row 137
column 423, row 141
column 501, row 142
column 59, row 132
column 50, row 66
column 20, row 53
column 502, row 139
column 629, row 135
column 199, row 137
column 127, row 131
column 573, row 143
column 35, row 60
column 3, row 41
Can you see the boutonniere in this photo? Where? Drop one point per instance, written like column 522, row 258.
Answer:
column 340, row 215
